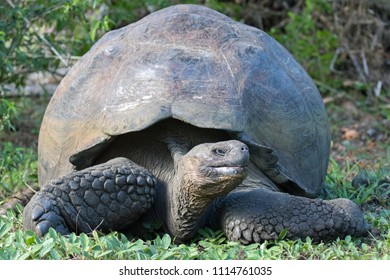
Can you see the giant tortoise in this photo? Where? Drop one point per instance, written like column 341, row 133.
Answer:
column 189, row 119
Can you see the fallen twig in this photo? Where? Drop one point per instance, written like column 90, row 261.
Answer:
column 364, row 61
column 378, row 88
column 378, row 35
column 355, row 63
column 22, row 197
column 334, row 59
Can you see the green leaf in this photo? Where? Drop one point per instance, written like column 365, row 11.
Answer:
column 166, row 242
column 96, row 236
column 364, row 246
column 4, row 229
column 53, row 234
column 47, row 245
column 84, row 241
column 30, row 240
column 94, row 27
column 282, row 234
column 55, row 255
column 25, row 256
column 104, row 253
column 167, row 255
column 137, row 246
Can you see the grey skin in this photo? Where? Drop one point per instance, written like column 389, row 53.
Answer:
column 186, row 178
column 155, row 92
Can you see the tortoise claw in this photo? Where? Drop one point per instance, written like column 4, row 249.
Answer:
column 43, row 213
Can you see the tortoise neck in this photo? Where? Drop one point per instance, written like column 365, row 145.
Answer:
column 186, row 207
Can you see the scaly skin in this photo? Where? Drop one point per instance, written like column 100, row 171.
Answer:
column 206, row 186
column 257, row 214
column 113, row 195
column 204, row 173
column 105, row 197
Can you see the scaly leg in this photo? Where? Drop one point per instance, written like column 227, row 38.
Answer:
column 108, row 196
column 257, row 214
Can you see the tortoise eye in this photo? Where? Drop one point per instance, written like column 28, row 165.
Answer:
column 219, row 151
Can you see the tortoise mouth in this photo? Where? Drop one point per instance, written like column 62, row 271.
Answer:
column 239, row 170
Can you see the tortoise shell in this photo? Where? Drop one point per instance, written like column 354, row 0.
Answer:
column 196, row 65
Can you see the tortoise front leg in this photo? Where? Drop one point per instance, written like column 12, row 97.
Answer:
column 258, row 214
column 106, row 197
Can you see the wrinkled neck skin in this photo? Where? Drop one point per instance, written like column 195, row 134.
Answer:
column 184, row 206
column 177, row 205
column 204, row 173
column 187, row 204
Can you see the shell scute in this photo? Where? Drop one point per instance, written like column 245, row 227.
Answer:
column 196, row 65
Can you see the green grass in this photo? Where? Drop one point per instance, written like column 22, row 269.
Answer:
column 366, row 187
column 19, row 244
column 18, row 167
column 373, row 198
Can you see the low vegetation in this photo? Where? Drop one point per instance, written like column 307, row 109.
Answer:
column 350, row 71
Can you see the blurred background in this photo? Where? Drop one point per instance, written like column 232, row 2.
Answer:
column 343, row 44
